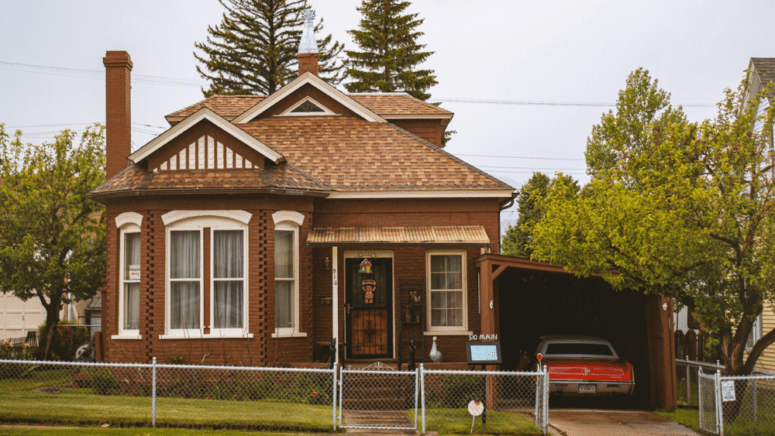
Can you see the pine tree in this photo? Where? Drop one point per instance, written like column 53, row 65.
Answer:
column 253, row 50
column 390, row 52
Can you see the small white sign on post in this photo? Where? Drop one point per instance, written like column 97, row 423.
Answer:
column 727, row 390
column 475, row 408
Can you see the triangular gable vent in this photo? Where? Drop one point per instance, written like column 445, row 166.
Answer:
column 306, row 107
column 206, row 154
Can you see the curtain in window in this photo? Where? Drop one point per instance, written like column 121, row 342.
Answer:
column 132, row 256
column 284, row 278
column 184, row 294
column 447, row 290
column 228, row 256
column 131, row 306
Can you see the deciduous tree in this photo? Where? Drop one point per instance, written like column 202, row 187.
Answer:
column 52, row 246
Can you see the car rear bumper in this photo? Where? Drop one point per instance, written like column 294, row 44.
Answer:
column 584, row 388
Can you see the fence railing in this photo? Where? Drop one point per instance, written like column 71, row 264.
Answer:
column 290, row 399
column 737, row 404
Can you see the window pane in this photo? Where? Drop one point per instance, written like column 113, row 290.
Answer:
column 447, row 308
column 228, row 254
column 447, row 271
column 184, row 305
column 283, row 254
column 184, row 255
column 228, row 305
column 284, row 304
column 131, row 256
column 131, row 306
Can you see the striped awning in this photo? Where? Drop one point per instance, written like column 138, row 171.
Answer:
column 467, row 235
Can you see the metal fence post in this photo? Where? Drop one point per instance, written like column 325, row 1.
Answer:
column 341, row 391
column 333, row 393
column 699, row 399
column 422, row 390
column 416, row 393
column 755, row 405
column 546, row 401
column 153, row 393
column 719, row 409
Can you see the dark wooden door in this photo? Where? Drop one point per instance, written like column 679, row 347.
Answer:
column 369, row 315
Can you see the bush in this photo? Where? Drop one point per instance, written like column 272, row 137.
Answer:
column 67, row 339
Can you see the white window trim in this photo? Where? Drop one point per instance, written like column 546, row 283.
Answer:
column 458, row 330
column 129, row 224
column 756, row 332
column 220, row 221
column 291, row 223
column 289, row 112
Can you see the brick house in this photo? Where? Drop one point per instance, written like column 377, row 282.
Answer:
column 258, row 228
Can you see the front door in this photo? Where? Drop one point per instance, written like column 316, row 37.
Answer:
column 369, row 288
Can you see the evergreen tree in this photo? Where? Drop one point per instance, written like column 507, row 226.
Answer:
column 390, row 52
column 253, row 50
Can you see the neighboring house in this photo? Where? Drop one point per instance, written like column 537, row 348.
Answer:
column 258, row 228
column 762, row 73
column 18, row 317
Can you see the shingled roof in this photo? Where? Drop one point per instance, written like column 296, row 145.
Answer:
column 349, row 154
column 765, row 69
column 393, row 105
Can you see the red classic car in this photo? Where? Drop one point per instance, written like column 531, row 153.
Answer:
column 584, row 365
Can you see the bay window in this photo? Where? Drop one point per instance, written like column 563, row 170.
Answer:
column 446, row 275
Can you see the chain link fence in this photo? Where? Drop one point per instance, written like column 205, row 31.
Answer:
column 687, row 374
column 285, row 399
column 737, row 405
column 289, row 399
column 379, row 399
column 514, row 402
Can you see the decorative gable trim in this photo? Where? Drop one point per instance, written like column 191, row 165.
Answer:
column 206, row 153
column 126, row 218
column 290, row 111
column 192, row 120
column 178, row 215
column 311, row 79
column 288, row 215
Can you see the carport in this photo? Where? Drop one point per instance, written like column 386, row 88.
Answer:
column 522, row 299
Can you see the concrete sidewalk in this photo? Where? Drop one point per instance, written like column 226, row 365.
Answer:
column 578, row 422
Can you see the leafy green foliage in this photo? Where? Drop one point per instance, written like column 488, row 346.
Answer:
column 52, row 246
column 253, row 50
column 516, row 241
column 389, row 54
column 677, row 208
column 67, row 339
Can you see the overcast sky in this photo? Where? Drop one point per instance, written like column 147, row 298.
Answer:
column 511, row 51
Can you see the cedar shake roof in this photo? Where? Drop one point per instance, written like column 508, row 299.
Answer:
column 283, row 177
column 230, row 106
column 469, row 235
column 765, row 68
column 349, row 154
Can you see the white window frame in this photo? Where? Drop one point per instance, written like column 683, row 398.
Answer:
column 127, row 228
column 197, row 221
column 289, row 112
column 290, row 221
column 756, row 332
column 440, row 330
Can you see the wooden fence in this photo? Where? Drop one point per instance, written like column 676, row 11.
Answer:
column 692, row 344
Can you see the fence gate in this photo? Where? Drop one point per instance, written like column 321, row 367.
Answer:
column 378, row 399
column 709, row 402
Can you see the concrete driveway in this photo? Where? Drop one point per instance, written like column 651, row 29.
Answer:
column 585, row 422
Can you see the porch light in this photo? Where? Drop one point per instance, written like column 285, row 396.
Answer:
column 328, row 263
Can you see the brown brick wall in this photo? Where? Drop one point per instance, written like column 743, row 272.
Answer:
column 118, row 110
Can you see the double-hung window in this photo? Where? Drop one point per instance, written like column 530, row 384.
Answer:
column 128, row 224
column 286, row 273
column 207, row 275
column 446, row 274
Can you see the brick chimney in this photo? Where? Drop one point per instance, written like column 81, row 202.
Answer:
column 308, row 47
column 118, row 111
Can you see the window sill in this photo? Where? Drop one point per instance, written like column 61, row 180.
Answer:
column 210, row 336
column 449, row 333
column 289, row 335
column 126, row 336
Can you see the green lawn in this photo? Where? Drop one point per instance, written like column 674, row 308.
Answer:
column 128, row 432
column 684, row 416
column 27, row 400
column 458, row 421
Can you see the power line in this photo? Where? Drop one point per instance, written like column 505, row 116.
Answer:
column 517, row 157
column 530, row 168
column 544, row 103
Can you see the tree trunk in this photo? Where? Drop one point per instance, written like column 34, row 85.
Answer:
column 47, row 338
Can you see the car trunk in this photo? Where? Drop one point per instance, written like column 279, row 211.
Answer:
column 588, row 370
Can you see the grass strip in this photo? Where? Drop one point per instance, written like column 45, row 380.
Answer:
column 458, row 421
column 129, row 432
